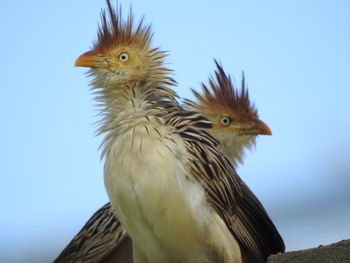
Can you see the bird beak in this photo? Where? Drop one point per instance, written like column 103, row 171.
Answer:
column 262, row 128
column 89, row 59
column 256, row 128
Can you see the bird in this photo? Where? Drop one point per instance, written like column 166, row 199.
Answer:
column 235, row 119
column 103, row 239
column 173, row 190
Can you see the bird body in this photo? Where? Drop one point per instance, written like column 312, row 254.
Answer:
column 113, row 243
column 168, row 196
column 143, row 179
column 147, row 179
column 174, row 192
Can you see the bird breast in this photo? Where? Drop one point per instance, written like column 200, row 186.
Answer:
column 164, row 213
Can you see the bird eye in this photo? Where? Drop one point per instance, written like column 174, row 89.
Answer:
column 124, row 57
column 225, row 120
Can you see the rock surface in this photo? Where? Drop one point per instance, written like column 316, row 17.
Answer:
column 334, row 253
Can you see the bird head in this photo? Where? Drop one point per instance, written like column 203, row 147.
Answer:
column 235, row 119
column 122, row 52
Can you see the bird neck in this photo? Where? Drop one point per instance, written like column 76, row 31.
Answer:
column 126, row 105
column 234, row 146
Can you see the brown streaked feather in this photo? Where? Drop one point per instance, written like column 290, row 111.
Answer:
column 221, row 96
column 230, row 197
column 113, row 31
column 96, row 240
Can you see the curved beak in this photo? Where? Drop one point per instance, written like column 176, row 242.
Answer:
column 262, row 128
column 257, row 128
column 89, row 59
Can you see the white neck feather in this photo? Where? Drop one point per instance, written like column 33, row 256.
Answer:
column 234, row 146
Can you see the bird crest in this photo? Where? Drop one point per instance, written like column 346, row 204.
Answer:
column 122, row 52
column 221, row 95
column 113, row 31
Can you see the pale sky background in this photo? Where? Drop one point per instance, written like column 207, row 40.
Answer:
column 296, row 58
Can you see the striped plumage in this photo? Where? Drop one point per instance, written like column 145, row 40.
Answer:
column 97, row 240
column 183, row 201
column 102, row 237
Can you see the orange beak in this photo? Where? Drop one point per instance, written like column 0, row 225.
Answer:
column 263, row 129
column 88, row 59
column 256, row 128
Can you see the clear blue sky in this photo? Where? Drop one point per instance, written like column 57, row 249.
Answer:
column 296, row 58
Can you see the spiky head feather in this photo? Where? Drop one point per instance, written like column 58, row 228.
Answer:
column 221, row 96
column 122, row 52
column 113, row 31
column 235, row 118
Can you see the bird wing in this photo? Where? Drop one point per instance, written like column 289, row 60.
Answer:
column 231, row 198
column 97, row 239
